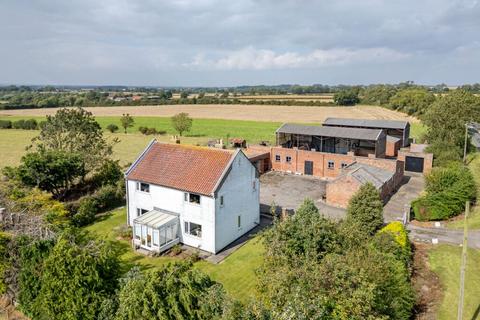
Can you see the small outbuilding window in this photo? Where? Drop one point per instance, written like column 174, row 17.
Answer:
column 289, row 159
column 144, row 187
column 331, row 165
column 344, row 165
column 277, row 158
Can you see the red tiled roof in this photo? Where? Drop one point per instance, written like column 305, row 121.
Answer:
column 187, row 168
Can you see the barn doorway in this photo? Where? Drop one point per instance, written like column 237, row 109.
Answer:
column 414, row 164
column 308, row 168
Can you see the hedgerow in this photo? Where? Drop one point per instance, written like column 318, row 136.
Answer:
column 447, row 191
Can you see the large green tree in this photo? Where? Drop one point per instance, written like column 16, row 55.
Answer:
column 78, row 275
column 346, row 97
column 446, row 121
column 365, row 209
column 173, row 291
column 75, row 131
column 181, row 122
column 51, row 170
column 378, row 94
column 413, row 101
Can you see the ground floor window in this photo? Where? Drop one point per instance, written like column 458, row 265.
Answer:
column 331, row 165
column 193, row 229
column 138, row 231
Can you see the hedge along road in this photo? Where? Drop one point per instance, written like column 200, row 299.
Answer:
column 236, row 112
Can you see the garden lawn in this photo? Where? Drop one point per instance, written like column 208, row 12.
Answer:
column 236, row 272
column 445, row 261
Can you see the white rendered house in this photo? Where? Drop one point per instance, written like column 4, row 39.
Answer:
column 202, row 197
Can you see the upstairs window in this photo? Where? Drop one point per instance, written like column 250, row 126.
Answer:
column 331, row 165
column 144, row 187
column 192, row 198
column 222, row 201
column 254, row 185
column 277, row 158
column 289, row 159
column 239, row 221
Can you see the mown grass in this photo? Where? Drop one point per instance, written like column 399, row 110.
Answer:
column 236, row 272
column 445, row 261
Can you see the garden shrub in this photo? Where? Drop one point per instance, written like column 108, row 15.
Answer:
column 5, row 124
column 365, row 208
column 4, row 263
column 32, row 257
column 87, row 210
column 105, row 198
column 447, row 190
column 400, row 235
column 112, row 128
column 109, row 173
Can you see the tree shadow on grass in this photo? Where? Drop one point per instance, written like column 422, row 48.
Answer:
column 197, row 135
column 476, row 313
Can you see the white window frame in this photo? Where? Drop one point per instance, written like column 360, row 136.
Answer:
column 332, row 163
column 187, row 226
column 288, row 159
column 187, row 198
column 278, row 158
column 344, row 165
column 139, row 187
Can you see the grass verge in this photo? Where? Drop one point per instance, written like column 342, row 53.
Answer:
column 236, row 272
column 445, row 261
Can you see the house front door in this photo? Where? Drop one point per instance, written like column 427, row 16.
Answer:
column 308, row 170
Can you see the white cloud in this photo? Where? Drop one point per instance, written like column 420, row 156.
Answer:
column 260, row 59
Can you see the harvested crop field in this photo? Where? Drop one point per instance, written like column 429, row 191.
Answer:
column 237, row 112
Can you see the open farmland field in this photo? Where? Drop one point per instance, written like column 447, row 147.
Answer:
column 13, row 142
column 300, row 114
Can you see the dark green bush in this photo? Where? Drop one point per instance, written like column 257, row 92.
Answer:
column 18, row 124
column 30, row 124
column 143, row 130
column 112, row 128
column 87, row 210
column 5, row 124
column 108, row 174
column 108, row 197
column 447, row 191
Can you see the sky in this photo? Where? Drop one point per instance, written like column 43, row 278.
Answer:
column 241, row 42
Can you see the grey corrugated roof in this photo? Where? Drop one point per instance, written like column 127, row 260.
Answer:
column 390, row 124
column 365, row 173
column 346, row 133
column 155, row 218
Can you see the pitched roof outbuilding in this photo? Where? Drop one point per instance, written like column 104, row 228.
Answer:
column 366, row 123
column 187, row 168
column 338, row 132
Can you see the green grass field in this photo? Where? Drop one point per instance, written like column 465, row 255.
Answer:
column 445, row 261
column 236, row 272
column 13, row 142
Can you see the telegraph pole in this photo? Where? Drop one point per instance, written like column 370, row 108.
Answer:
column 464, row 263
